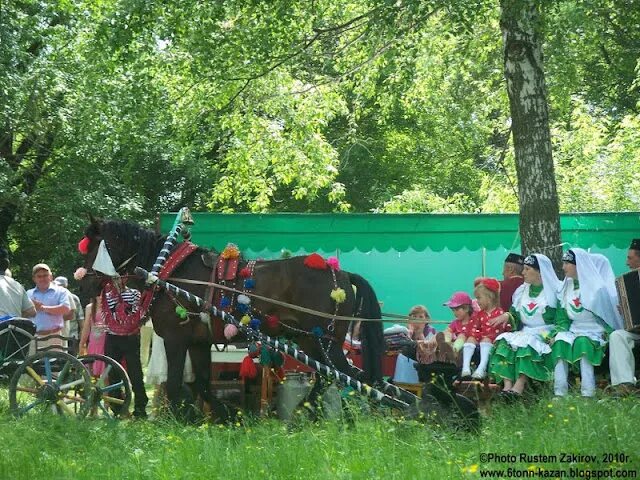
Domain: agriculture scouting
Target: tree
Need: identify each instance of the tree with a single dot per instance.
(524, 73)
(129, 108)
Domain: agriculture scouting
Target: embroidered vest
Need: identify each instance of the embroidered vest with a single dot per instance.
(582, 320)
(531, 309)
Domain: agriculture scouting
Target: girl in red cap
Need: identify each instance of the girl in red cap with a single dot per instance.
(487, 292)
(461, 328)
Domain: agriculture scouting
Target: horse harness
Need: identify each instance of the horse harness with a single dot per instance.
(236, 280)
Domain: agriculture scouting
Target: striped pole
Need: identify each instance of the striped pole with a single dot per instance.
(183, 217)
(324, 370)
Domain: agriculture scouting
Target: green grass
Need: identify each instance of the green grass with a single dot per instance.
(379, 446)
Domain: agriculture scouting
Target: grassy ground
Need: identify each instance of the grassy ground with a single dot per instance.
(378, 446)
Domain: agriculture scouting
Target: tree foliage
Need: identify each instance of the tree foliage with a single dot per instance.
(128, 108)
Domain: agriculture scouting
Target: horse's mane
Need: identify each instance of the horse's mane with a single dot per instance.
(132, 238)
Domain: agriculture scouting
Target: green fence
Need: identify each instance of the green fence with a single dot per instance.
(410, 258)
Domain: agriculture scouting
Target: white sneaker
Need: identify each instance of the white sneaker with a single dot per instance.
(479, 374)
(465, 373)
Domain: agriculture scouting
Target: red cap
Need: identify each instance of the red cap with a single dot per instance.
(491, 283)
(458, 299)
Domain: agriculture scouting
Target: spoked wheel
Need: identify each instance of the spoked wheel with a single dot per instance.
(111, 388)
(51, 381)
(14, 346)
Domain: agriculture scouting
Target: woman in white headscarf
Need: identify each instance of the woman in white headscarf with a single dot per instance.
(525, 353)
(605, 270)
(587, 314)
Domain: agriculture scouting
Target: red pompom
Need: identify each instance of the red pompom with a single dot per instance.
(315, 261)
(248, 368)
(83, 245)
(271, 321)
(245, 273)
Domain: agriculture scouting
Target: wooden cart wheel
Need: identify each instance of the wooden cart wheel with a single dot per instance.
(51, 381)
(111, 387)
(14, 347)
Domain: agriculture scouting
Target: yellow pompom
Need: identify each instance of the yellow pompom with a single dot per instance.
(230, 251)
(245, 320)
(338, 295)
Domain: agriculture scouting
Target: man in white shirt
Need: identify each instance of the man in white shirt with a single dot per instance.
(14, 301)
(622, 363)
(52, 303)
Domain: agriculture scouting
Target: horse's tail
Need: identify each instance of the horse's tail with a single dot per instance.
(371, 333)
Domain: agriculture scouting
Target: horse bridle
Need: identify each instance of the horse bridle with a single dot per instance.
(118, 268)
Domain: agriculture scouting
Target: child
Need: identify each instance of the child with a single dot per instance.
(419, 328)
(487, 292)
(425, 346)
(93, 334)
(422, 333)
(460, 329)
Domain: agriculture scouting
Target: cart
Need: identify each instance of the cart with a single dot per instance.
(46, 379)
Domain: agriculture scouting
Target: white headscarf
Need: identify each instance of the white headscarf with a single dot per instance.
(594, 293)
(606, 272)
(550, 282)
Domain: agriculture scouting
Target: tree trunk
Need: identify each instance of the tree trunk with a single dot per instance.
(25, 180)
(537, 193)
(7, 216)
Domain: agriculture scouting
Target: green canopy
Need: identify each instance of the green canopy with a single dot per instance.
(399, 232)
(408, 258)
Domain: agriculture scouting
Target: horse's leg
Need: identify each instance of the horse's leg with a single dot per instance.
(200, 355)
(176, 349)
(311, 346)
(340, 362)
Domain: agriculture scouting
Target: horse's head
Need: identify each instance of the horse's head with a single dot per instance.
(124, 244)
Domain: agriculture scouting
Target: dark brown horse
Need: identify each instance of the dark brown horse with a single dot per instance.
(287, 280)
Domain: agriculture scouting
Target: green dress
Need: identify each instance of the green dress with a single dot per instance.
(525, 350)
(582, 333)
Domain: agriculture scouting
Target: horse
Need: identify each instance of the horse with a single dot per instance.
(287, 280)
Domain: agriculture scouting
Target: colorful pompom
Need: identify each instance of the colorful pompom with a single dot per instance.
(230, 251)
(248, 368)
(225, 302)
(242, 308)
(249, 283)
(253, 349)
(338, 295)
(272, 321)
(243, 299)
(334, 263)
(317, 331)
(83, 245)
(245, 320)
(230, 331)
(277, 359)
(181, 312)
(255, 324)
(315, 261)
(265, 356)
(80, 273)
(245, 273)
